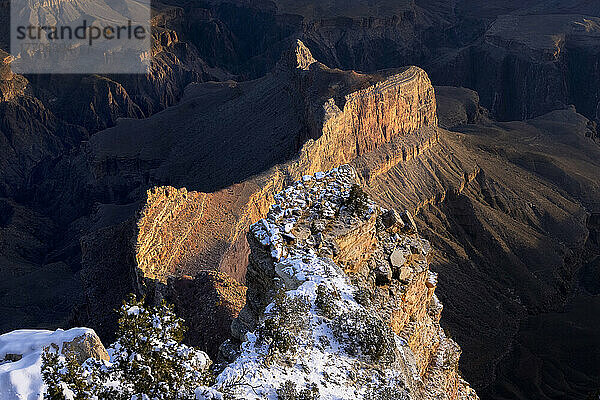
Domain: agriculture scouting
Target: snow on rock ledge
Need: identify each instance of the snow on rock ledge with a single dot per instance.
(330, 313)
(21, 357)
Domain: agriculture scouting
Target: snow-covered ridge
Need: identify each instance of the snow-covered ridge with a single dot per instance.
(320, 361)
(319, 336)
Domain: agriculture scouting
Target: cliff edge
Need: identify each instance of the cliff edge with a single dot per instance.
(308, 118)
(340, 303)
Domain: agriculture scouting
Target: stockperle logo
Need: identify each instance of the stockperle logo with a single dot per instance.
(80, 36)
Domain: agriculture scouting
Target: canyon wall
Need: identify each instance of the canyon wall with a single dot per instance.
(182, 232)
(473, 193)
(206, 231)
(525, 66)
(45, 123)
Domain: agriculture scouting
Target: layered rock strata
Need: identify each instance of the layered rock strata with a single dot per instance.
(207, 229)
(178, 232)
(358, 266)
(477, 195)
(181, 232)
(45, 121)
(524, 66)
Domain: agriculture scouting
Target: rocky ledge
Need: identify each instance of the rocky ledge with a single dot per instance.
(340, 304)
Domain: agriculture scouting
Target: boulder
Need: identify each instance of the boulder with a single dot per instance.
(401, 268)
(85, 346)
(405, 272)
(397, 258)
(81, 342)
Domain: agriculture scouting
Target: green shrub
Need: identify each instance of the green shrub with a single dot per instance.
(357, 201)
(147, 359)
(280, 339)
(325, 301)
(289, 314)
(361, 333)
(289, 392)
(386, 393)
(292, 310)
(63, 376)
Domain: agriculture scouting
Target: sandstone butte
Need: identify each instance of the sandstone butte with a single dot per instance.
(178, 230)
(373, 122)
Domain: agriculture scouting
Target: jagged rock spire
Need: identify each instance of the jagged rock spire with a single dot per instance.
(298, 56)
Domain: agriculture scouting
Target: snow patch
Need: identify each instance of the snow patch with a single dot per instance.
(22, 379)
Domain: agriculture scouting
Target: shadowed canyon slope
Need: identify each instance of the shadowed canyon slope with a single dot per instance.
(511, 237)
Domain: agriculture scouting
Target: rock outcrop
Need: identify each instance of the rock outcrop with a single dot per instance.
(494, 194)
(399, 106)
(326, 244)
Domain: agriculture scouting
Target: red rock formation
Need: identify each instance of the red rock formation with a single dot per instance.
(180, 231)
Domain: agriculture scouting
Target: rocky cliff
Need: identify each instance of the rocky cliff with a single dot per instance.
(46, 116)
(474, 201)
(340, 116)
(527, 65)
(399, 106)
(332, 277)
(524, 58)
(340, 304)
(515, 195)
